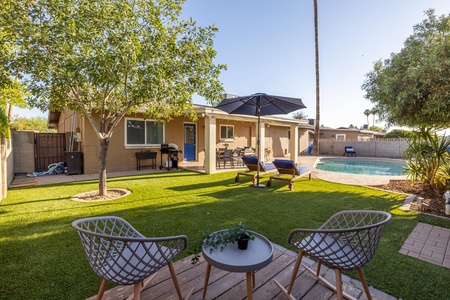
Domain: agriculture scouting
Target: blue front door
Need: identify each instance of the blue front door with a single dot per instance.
(189, 142)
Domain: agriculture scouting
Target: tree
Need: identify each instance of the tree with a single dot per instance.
(11, 91)
(398, 133)
(376, 128)
(411, 88)
(300, 115)
(110, 58)
(351, 126)
(367, 112)
(34, 123)
(316, 46)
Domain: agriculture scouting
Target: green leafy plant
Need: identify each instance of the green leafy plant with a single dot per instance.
(221, 239)
(426, 157)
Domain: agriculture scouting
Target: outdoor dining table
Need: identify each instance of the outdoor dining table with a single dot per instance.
(258, 255)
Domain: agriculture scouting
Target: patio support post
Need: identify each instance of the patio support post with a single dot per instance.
(293, 143)
(210, 145)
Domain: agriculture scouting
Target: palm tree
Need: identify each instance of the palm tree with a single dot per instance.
(367, 112)
(373, 111)
(316, 44)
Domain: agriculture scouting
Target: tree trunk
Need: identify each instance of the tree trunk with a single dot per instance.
(104, 143)
(316, 44)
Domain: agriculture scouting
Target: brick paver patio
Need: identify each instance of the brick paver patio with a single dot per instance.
(429, 243)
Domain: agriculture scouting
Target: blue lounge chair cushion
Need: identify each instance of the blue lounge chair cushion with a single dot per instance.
(289, 164)
(251, 162)
(268, 166)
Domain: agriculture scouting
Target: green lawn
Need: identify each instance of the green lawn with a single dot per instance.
(41, 255)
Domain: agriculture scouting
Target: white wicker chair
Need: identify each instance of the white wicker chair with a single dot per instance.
(347, 241)
(119, 253)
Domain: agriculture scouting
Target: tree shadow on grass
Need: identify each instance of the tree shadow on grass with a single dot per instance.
(47, 254)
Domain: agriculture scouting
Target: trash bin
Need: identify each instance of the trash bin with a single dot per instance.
(447, 202)
(74, 161)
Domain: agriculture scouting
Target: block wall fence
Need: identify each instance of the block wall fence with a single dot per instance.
(387, 148)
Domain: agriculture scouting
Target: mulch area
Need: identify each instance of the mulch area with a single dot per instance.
(432, 203)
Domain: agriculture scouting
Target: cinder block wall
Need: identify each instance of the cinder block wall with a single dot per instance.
(387, 148)
(23, 149)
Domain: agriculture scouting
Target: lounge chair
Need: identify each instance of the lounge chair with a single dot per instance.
(347, 241)
(288, 167)
(252, 164)
(348, 150)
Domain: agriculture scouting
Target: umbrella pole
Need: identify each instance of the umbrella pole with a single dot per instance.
(259, 145)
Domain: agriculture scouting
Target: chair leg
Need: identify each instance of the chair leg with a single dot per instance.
(339, 292)
(334, 287)
(140, 286)
(287, 292)
(295, 271)
(319, 264)
(102, 289)
(175, 280)
(137, 291)
(364, 283)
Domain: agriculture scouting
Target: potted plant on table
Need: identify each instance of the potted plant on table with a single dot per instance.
(239, 234)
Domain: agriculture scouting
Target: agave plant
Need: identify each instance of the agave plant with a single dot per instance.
(427, 157)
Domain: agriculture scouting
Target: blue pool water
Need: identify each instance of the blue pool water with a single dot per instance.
(365, 166)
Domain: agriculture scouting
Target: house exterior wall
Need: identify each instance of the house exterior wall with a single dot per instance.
(121, 157)
(303, 141)
(331, 133)
(243, 132)
(277, 139)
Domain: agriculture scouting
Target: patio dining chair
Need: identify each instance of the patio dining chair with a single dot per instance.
(118, 253)
(346, 241)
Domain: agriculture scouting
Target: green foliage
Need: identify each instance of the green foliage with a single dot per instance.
(111, 58)
(221, 239)
(411, 88)
(39, 247)
(376, 128)
(34, 123)
(427, 158)
(398, 133)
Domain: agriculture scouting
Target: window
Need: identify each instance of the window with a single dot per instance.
(226, 132)
(341, 137)
(140, 132)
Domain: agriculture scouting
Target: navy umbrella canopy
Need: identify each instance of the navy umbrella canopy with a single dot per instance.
(260, 104)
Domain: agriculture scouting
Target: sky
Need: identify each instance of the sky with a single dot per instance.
(268, 46)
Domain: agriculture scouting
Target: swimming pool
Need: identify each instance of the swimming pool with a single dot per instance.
(367, 166)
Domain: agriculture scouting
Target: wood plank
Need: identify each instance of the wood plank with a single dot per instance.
(225, 285)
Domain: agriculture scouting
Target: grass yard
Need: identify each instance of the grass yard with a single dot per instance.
(41, 256)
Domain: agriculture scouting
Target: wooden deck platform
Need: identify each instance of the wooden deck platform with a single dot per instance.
(226, 285)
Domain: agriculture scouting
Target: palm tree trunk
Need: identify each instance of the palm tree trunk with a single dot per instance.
(316, 44)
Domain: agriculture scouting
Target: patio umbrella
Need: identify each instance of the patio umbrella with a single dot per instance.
(260, 104)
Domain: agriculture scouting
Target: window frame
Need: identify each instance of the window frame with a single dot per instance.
(341, 135)
(145, 133)
(226, 130)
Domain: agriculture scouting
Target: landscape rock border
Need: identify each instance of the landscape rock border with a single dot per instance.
(92, 196)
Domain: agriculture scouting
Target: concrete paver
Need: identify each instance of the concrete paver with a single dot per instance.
(429, 243)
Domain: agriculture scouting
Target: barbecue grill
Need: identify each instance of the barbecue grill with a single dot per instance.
(171, 150)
